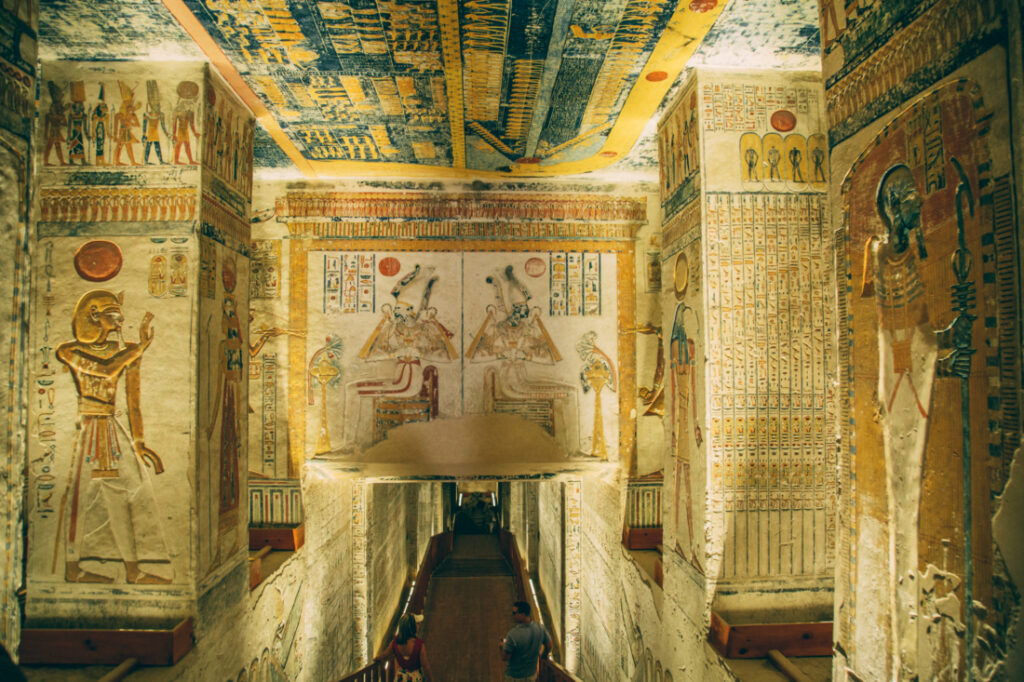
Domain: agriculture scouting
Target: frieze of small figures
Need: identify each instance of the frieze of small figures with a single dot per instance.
(117, 204)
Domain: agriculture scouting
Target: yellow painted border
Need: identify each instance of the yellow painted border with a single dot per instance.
(298, 316)
(235, 81)
(683, 34)
(448, 18)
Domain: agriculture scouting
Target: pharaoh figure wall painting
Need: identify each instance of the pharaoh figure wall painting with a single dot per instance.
(108, 455)
(929, 309)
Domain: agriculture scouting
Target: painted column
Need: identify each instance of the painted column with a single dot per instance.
(17, 83)
(748, 319)
(138, 329)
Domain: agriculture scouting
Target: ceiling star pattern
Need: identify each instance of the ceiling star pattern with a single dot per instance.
(485, 85)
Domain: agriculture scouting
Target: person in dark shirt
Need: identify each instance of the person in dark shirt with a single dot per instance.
(524, 645)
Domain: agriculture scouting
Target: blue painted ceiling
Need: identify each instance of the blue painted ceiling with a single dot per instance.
(542, 81)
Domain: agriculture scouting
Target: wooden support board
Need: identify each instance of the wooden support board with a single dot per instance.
(288, 539)
(755, 641)
(641, 538)
(105, 647)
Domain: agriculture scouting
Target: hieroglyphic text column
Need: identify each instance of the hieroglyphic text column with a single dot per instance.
(751, 355)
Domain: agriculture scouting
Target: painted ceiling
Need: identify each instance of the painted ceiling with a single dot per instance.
(443, 87)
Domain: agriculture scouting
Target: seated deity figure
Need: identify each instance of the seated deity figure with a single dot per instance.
(406, 336)
(513, 333)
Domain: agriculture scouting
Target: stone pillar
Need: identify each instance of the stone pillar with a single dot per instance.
(749, 308)
(17, 85)
(138, 418)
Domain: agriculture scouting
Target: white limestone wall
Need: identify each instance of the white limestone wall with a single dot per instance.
(651, 399)
(551, 556)
(630, 627)
(387, 567)
(329, 626)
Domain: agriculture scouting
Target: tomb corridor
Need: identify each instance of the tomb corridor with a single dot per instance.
(696, 324)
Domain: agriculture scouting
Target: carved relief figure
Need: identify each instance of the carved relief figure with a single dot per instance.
(750, 156)
(100, 127)
(78, 124)
(227, 401)
(818, 159)
(111, 511)
(125, 121)
(153, 123)
(54, 124)
(682, 358)
(774, 157)
(184, 120)
(514, 333)
(908, 350)
(513, 330)
(795, 160)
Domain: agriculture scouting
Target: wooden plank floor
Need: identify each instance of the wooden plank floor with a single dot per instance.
(469, 608)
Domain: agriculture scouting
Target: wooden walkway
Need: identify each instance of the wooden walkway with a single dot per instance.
(469, 609)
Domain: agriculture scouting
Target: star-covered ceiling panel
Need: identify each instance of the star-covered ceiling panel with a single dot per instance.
(449, 87)
(116, 30)
(763, 34)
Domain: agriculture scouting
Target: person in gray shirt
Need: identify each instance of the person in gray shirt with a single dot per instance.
(524, 645)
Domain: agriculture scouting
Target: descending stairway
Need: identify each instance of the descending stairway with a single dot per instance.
(469, 609)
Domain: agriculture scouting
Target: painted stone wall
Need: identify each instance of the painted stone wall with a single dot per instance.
(108, 302)
(329, 630)
(275, 496)
(134, 307)
(769, 328)
(73, 554)
(223, 398)
(499, 305)
(551, 552)
(748, 304)
(17, 82)
(386, 557)
(684, 324)
(288, 628)
(631, 628)
(650, 339)
(927, 239)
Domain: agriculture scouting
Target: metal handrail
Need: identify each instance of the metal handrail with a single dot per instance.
(438, 549)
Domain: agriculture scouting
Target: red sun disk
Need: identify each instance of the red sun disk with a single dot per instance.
(703, 5)
(783, 120)
(534, 267)
(389, 266)
(98, 260)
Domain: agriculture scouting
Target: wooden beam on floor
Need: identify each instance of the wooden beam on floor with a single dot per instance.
(278, 539)
(52, 646)
(756, 640)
